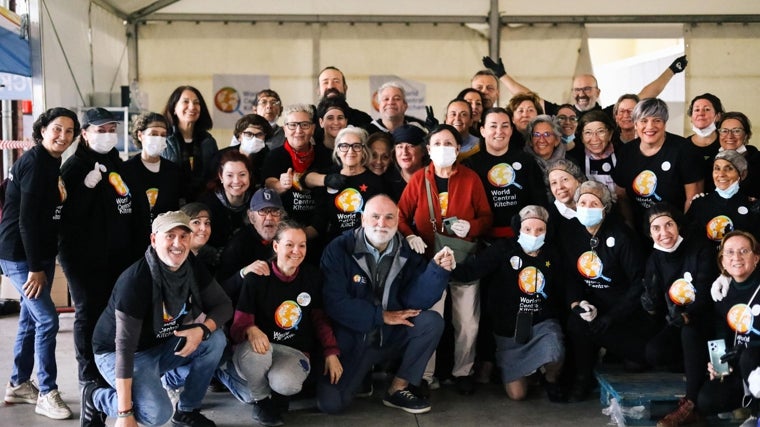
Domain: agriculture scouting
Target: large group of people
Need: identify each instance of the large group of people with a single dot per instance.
(328, 246)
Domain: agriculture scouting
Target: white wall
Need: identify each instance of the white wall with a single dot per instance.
(99, 68)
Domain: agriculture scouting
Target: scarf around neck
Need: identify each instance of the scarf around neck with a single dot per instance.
(173, 291)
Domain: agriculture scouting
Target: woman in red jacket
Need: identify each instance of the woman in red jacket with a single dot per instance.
(459, 201)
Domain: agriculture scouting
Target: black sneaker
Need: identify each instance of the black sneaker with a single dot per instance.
(193, 418)
(406, 401)
(265, 413)
(422, 390)
(89, 416)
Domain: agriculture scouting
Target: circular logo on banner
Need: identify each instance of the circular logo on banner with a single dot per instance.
(227, 100)
(288, 315)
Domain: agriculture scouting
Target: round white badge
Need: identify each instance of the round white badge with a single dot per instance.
(742, 210)
(515, 262)
(606, 167)
(303, 299)
(666, 166)
(610, 242)
(756, 310)
(517, 166)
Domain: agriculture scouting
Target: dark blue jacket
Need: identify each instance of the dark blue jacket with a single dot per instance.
(349, 300)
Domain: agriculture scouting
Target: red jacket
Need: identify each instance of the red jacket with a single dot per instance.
(467, 201)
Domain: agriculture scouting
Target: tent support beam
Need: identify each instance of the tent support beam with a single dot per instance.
(494, 30)
(443, 19)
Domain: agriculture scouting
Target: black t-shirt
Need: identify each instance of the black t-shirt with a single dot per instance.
(516, 282)
(713, 217)
(735, 309)
(512, 181)
(32, 212)
(660, 177)
(283, 310)
(344, 208)
(302, 204)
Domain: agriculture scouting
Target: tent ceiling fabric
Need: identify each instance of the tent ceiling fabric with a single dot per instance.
(510, 11)
(14, 50)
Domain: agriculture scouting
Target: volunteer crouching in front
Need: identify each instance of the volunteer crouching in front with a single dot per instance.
(153, 324)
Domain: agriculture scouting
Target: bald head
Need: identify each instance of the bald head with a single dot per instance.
(585, 92)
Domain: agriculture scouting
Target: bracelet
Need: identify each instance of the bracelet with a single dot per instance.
(126, 414)
(206, 330)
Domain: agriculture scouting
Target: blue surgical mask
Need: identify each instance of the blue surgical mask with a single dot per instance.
(728, 192)
(589, 217)
(531, 243)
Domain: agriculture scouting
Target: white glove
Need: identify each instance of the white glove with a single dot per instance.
(719, 288)
(590, 313)
(754, 382)
(417, 244)
(460, 227)
(94, 176)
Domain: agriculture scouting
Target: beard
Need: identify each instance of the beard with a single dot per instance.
(333, 93)
(379, 236)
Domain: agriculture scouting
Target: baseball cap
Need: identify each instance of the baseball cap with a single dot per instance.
(410, 134)
(98, 116)
(265, 198)
(168, 220)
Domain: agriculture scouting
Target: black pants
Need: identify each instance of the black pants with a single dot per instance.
(688, 344)
(720, 396)
(625, 338)
(90, 290)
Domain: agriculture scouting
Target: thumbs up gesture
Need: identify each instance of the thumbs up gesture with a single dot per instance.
(94, 176)
(286, 179)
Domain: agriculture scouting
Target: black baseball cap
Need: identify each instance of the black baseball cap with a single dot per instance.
(98, 116)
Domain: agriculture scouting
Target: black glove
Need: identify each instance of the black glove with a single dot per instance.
(600, 324)
(430, 121)
(335, 181)
(649, 301)
(498, 69)
(675, 316)
(679, 64)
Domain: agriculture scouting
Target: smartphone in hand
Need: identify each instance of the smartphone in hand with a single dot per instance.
(717, 348)
(180, 344)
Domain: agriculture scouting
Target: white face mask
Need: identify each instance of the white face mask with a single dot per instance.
(730, 191)
(704, 132)
(102, 142)
(153, 145)
(251, 145)
(443, 156)
(589, 217)
(531, 243)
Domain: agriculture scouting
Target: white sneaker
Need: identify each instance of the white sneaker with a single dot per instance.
(52, 406)
(749, 422)
(25, 392)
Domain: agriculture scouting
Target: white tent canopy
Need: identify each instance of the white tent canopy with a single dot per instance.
(87, 50)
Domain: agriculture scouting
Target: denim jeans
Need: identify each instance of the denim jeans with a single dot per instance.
(150, 401)
(37, 328)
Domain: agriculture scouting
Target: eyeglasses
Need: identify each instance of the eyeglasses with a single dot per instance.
(583, 89)
(601, 133)
(728, 253)
(356, 147)
(734, 131)
(271, 211)
(564, 118)
(302, 125)
(260, 135)
(268, 102)
(544, 134)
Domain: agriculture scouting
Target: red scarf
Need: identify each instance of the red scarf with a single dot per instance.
(301, 159)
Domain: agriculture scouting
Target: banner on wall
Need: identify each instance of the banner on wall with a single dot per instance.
(234, 95)
(415, 95)
(14, 86)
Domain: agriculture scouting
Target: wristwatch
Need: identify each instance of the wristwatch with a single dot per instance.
(206, 330)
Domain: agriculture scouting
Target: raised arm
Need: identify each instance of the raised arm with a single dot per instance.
(653, 89)
(513, 86)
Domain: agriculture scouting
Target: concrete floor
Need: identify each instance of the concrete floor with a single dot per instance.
(489, 406)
